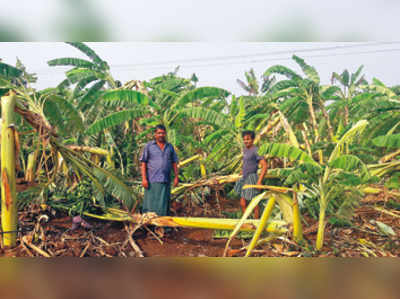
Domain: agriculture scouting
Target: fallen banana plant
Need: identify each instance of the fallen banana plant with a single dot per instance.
(213, 181)
(289, 207)
(375, 190)
(266, 214)
(194, 222)
(271, 188)
(251, 206)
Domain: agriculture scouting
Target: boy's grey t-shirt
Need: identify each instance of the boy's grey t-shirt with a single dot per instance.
(250, 160)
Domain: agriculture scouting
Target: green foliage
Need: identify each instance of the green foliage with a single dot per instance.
(350, 163)
(90, 53)
(77, 62)
(389, 141)
(90, 108)
(394, 181)
(113, 119)
(200, 93)
(282, 70)
(8, 71)
(209, 116)
(310, 71)
(117, 98)
(281, 150)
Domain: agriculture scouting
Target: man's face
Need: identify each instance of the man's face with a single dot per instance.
(248, 141)
(159, 135)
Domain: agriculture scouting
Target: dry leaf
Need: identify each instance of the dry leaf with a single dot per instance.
(278, 247)
(291, 253)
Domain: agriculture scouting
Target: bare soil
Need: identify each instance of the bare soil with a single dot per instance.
(54, 237)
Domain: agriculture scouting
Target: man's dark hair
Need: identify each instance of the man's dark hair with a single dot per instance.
(250, 133)
(161, 127)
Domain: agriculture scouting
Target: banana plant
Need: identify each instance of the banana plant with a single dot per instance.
(84, 71)
(40, 152)
(351, 84)
(342, 176)
(297, 91)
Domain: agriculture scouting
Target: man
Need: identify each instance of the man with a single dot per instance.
(158, 158)
(251, 159)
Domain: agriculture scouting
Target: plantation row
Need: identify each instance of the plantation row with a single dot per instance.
(76, 146)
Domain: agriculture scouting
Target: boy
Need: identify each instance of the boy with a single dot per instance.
(251, 159)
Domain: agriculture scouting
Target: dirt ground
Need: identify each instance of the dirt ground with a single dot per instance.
(53, 237)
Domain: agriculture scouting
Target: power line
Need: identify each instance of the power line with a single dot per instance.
(232, 57)
(157, 65)
(130, 68)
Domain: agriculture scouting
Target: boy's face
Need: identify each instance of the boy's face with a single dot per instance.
(159, 135)
(248, 141)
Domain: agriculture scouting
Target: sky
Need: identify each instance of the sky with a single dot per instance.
(156, 31)
(193, 20)
(215, 64)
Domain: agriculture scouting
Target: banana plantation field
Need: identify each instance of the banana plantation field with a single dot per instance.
(70, 172)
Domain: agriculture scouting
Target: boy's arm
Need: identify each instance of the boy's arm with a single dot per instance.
(263, 171)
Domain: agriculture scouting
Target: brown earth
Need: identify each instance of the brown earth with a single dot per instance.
(110, 239)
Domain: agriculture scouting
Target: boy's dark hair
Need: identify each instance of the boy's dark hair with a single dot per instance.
(161, 127)
(251, 133)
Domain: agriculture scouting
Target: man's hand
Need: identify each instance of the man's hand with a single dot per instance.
(176, 181)
(145, 183)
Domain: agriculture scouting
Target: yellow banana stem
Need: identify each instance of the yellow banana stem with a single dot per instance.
(320, 157)
(263, 221)
(297, 227)
(184, 162)
(9, 212)
(203, 170)
(197, 222)
(309, 101)
(271, 124)
(321, 222)
(289, 130)
(307, 143)
(272, 188)
(31, 167)
(88, 149)
(373, 190)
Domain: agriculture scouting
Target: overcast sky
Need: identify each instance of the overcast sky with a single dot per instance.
(221, 28)
(215, 64)
(206, 20)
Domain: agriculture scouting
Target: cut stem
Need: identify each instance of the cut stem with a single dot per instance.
(9, 219)
(263, 221)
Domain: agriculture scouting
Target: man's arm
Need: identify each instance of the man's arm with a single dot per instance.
(176, 179)
(263, 171)
(145, 182)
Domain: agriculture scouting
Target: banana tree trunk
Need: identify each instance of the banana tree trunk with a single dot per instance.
(321, 223)
(263, 221)
(346, 112)
(196, 222)
(313, 118)
(31, 167)
(9, 220)
(297, 227)
(328, 121)
(307, 143)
